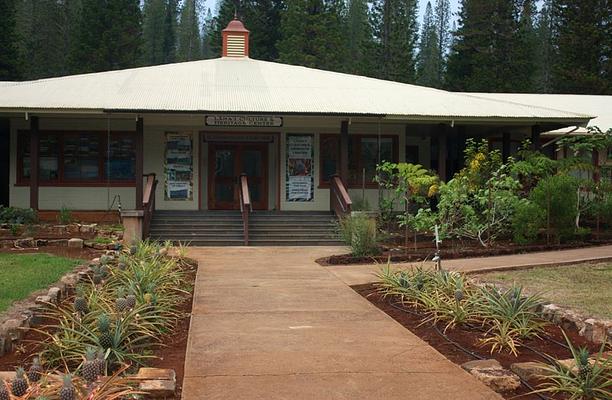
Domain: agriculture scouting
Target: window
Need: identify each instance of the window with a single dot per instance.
(362, 158)
(79, 158)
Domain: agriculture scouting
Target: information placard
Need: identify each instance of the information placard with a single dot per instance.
(300, 168)
(178, 168)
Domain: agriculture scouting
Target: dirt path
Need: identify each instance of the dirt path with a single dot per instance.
(270, 323)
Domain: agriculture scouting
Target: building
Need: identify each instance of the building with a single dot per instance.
(84, 142)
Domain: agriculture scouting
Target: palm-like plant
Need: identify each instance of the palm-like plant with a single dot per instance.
(584, 380)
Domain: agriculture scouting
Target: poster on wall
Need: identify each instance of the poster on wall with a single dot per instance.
(178, 167)
(300, 168)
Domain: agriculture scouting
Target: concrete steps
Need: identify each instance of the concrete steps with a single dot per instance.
(266, 228)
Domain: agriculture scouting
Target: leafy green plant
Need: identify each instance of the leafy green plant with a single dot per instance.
(15, 215)
(361, 204)
(556, 196)
(64, 216)
(360, 233)
(585, 379)
(527, 221)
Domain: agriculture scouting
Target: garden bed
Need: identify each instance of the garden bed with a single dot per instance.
(469, 339)
(168, 350)
(425, 251)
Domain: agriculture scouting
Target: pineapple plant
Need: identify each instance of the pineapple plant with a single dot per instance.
(105, 339)
(105, 259)
(131, 298)
(36, 370)
(90, 368)
(80, 303)
(4, 393)
(19, 386)
(100, 363)
(121, 304)
(583, 365)
(67, 392)
(133, 250)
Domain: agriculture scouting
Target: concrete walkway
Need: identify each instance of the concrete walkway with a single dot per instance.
(362, 274)
(269, 323)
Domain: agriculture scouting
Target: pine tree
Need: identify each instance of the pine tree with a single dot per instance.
(442, 19)
(188, 33)
(313, 34)
(546, 51)
(154, 40)
(482, 57)
(360, 39)
(585, 46)
(428, 59)
(396, 31)
(8, 48)
(524, 51)
(207, 31)
(109, 36)
(170, 27)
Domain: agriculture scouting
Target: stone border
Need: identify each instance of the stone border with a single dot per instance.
(25, 313)
(592, 329)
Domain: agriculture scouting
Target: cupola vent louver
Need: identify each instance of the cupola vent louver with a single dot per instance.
(235, 40)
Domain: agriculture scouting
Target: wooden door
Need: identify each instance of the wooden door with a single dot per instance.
(226, 162)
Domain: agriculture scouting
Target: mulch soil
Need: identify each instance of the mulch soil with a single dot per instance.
(425, 251)
(469, 339)
(170, 354)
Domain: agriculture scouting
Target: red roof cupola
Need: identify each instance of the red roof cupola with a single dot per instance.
(235, 39)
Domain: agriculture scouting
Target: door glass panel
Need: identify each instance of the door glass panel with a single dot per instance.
(224, 192)
(224, 163)
(251, 163)
(255, 191)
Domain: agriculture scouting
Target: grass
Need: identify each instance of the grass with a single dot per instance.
(584, 287)
(22, 274)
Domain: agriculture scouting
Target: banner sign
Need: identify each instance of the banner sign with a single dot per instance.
(178, 167)
(238, 138)
(244, 120)
(300, 168)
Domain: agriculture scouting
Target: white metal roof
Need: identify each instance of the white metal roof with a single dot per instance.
(598, 106)
(250, 86)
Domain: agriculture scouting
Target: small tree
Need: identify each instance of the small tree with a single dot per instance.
(411, 184)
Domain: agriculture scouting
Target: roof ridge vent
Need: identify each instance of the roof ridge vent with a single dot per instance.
(235, 39)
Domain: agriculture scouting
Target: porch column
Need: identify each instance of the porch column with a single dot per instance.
(505, 146)
(34, 145)
(535, 138)
(5, 156)
(138, 169)
(344, 149)
(442, 152)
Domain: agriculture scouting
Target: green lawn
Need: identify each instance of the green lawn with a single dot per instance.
(584, 287)
(21, 274)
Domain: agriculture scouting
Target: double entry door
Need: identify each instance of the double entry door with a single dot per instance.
(226, 162)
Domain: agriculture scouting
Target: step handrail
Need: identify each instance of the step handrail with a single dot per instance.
(340, 201)
(246, 207)
(148, 202)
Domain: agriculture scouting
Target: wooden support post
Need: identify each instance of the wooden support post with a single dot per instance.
(506, 146)
(535, 138)
(461, 143)
(344, 149)
(5, 157)
(138, 170)
(34, 146)
(442, 152)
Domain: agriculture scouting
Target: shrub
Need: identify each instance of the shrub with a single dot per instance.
(65, 215)
(527, 221)
(15, 215)
(359, 232)
(557, 197)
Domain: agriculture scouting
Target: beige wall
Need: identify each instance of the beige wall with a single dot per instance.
(155, 126)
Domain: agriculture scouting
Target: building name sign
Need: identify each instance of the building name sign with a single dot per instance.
(264, 121)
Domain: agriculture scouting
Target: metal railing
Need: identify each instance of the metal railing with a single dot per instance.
(148, 203)
(340, 201)
(245, 206)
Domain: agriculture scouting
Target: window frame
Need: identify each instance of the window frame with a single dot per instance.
(357, 147)
(61, 182)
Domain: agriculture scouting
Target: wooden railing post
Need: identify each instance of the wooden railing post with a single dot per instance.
(245, 205)
(339, 199)
(148, 202)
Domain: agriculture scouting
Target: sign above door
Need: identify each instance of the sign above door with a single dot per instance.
(253, 121)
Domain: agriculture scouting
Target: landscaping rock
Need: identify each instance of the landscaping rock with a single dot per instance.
(45, 299)
(7, 376)
(12, 329)
(6, 344)
(75, 243)
(528, 370)
(87, 228)
(26, 242)
(41, 242)
(594, 330)
(70, 279)
(491, 363)
(54, 293)
(156, 374)
(158, 388)
(498, 379)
